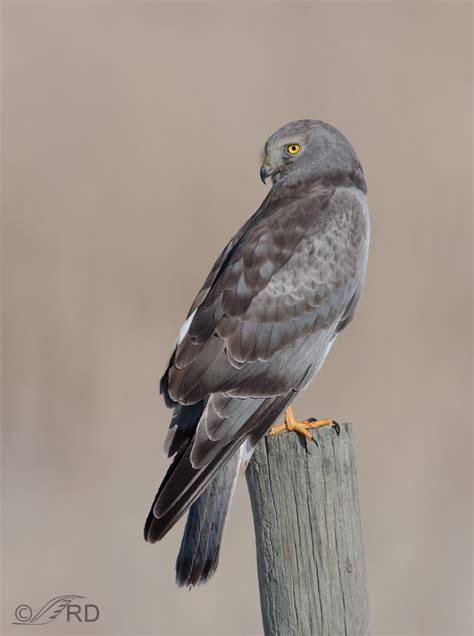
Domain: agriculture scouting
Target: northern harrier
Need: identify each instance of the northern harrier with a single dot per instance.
(260, 328)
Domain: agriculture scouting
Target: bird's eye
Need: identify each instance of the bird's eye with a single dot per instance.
(293, 149)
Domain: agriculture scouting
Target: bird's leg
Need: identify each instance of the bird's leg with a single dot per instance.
(291, 424)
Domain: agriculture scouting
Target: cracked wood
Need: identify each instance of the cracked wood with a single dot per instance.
(310, 557)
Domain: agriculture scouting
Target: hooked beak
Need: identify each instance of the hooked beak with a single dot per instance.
(265, 171)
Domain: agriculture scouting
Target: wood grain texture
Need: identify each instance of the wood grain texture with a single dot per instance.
(310, 556)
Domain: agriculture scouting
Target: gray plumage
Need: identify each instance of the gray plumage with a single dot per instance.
(259, 329)
(199, 553)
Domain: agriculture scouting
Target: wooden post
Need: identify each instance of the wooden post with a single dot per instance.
(310, 558)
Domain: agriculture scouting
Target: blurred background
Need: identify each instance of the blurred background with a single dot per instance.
(131, 141)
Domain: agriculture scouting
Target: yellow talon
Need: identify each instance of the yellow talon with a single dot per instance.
(291, 424)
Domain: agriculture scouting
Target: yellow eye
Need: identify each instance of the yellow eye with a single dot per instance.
(293, 149)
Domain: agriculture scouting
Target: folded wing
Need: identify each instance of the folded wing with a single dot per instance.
(258, 331)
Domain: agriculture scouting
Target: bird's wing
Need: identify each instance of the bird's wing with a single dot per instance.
(259, 330)
(287, 283)
(226, 254)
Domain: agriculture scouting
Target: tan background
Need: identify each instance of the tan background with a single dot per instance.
(131, 141)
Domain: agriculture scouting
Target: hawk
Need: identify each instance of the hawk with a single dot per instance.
(260, 328)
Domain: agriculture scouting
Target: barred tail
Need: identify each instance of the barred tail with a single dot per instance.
(199, 553)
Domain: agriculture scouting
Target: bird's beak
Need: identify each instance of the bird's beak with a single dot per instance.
(265, 171)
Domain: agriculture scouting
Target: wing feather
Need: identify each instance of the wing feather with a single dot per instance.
(258, 330)
(304, 286)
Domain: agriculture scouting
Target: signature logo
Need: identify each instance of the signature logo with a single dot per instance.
(82, 612)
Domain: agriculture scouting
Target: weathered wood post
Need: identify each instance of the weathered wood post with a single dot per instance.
(310, 558)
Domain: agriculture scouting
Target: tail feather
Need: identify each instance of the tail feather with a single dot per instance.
(157, 527)
(206, 492)
(199, 553)
(183, 484)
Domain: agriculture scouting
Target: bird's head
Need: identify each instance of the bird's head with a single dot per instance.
(307, 148)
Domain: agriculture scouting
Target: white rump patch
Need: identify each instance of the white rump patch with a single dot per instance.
(185, 328)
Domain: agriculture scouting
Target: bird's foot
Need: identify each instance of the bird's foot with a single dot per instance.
(291, 424)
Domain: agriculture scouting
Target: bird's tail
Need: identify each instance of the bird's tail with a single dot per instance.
(199, 553)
